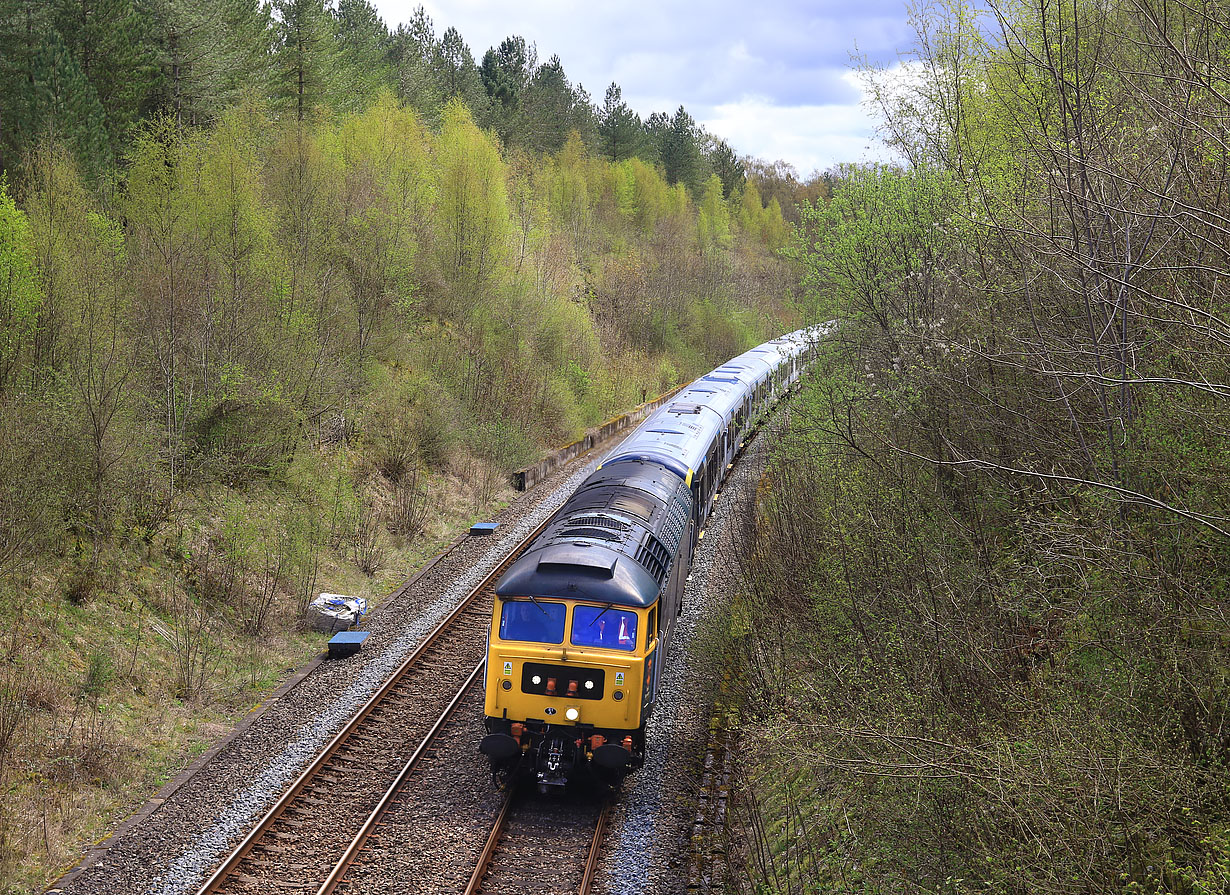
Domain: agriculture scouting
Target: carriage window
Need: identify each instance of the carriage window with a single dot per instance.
(535, 622)
(604, 627)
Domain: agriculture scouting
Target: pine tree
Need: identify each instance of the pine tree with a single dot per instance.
(727, 166)
(307, 55)
(412, 40)
(213, 53)
(412, 48)
(657, 126)
(549, 108)
(680, 149)
(620, 132)
(112, 45)
(23, 26)
(458, 75)
(65, 109)
(363, 42)
(505, 72)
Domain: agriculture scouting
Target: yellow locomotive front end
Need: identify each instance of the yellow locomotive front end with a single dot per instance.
(568, 684)
(580, 627)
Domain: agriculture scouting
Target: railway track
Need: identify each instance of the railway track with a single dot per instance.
(319, 824)
(542, 846)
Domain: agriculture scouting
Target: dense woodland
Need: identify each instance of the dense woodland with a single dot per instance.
(986, 616)
(89, 73)
(284, 297)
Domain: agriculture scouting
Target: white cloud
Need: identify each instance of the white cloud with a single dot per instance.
(740, 54)
(810, 137)
(710, 58)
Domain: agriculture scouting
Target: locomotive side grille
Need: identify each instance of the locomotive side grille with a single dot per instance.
(676, 522)
(654, 557)
(673, 529)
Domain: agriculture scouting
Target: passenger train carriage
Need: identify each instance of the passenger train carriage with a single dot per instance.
(583, 620)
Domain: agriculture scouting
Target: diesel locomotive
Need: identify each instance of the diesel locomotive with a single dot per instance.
(583, 620)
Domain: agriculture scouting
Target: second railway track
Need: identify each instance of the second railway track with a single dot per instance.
(301, 841)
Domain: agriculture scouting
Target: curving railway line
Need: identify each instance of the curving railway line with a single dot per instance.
(347, 823)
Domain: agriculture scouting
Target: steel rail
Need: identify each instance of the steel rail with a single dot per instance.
(493, 842)
(356, 845)
(474, 887)
(591, 863)
(245, 847)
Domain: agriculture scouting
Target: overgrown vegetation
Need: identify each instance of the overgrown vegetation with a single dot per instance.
(985, 615)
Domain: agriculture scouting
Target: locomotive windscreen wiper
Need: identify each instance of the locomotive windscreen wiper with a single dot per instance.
(600, 614)
(572, 585)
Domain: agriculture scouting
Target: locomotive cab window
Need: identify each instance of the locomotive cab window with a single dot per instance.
(604, 627)
(533, 621)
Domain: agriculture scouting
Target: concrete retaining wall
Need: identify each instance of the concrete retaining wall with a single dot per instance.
(528, 478)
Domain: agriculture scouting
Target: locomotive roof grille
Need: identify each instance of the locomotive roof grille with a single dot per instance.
(631, 503)
(597, 521)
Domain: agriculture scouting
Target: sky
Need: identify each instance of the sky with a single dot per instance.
(771, 77)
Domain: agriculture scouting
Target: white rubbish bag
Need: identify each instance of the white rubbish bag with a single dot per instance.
(334, 612)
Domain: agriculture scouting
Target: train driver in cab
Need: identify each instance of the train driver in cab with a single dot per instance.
(608, 628)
